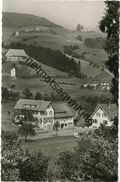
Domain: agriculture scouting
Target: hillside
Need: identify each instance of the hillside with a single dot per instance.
(24, 20)
(54, 36)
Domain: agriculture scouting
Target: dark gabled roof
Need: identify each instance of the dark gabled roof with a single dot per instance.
(110, 109)
(62, 110)
(16, 52)
(40, 104)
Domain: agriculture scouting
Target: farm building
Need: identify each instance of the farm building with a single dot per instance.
(63, 115)
(97, 84)
(103, 114)
(46, 113)
(17, 33)
(90, 84)
(16, 55)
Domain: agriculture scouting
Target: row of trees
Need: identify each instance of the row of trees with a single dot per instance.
(98, 42)
(9, 94)
(93, 160)
(69, 49)
(39, 96)
(27, 94)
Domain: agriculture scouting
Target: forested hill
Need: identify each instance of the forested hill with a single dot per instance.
(24, 20)
(50, 57)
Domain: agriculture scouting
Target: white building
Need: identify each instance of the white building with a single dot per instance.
(17, 33)
(63, 115)
(46, 113)
(16, 55)
(13, 73)
(103, 114)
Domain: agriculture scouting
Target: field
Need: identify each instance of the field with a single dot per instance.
(90, 70)
(23, 71)
(96, 56)
(52, 146)
(55, 40)
(37, 85)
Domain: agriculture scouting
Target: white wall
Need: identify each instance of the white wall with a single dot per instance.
(48, 116)
(67, 122)
(100, 118)
(13, 72)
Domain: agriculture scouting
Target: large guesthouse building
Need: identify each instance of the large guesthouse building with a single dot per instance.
(45, 113)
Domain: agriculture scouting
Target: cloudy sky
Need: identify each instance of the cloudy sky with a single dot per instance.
(66, 13)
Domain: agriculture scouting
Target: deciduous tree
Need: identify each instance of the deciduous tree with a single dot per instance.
(27, 127)
(27, 93)
(110, 25)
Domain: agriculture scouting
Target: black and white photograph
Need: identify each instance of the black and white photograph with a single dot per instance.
(59, 90)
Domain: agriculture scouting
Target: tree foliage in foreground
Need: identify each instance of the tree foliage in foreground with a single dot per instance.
(110, 25)
(27, 127)
(11, 155)
(34, 168)
(18, 165)
(27, 93)
(94, 158)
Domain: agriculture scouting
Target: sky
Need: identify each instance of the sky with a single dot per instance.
(65, 13)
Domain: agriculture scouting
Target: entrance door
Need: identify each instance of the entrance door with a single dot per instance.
(62, 126)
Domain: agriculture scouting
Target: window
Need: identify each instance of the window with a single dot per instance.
(104, 115)
(35, 112)
(50, 113)
(105, 122)
(95, 120)
(18, 117)
(42, 113)
(98, 114)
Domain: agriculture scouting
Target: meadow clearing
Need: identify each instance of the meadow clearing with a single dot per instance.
(38, 85)
(51, 147)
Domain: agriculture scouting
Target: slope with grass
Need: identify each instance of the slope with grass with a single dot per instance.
(25, 20)
(55, 37)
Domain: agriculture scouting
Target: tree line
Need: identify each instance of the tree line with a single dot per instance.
(9, 94)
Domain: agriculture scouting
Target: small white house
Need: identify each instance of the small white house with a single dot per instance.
(14, 55)
(13, 73)
(105, 86)
(17, 33)
(103, 114)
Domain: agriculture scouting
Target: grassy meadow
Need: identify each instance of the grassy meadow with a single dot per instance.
(51, 147)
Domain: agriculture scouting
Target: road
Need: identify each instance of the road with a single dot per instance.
(77, 60)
